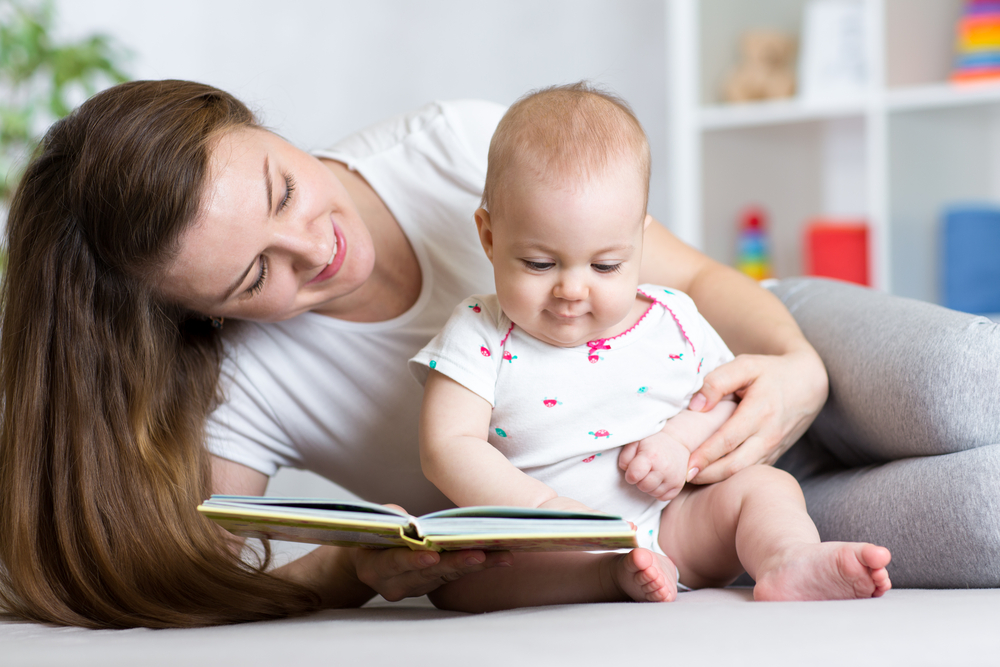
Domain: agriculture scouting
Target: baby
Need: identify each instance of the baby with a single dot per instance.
(568, 388)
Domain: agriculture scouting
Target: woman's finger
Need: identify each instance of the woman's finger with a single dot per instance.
(753, 451)
(740, 426)
(455, 564)
(376, 565)
(451, 567)
(729, 378)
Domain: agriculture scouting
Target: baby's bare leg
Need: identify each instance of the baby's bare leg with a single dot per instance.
(756, 520)
(536, 579)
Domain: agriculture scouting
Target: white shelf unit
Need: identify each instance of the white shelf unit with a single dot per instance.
(895, 155)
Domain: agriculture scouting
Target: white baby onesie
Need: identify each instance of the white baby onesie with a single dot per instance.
(562, 414)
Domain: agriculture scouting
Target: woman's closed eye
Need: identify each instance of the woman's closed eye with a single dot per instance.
(258, 284)
(289, 189)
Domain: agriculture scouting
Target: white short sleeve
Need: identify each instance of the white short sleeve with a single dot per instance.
(706, 344)
(469, 349)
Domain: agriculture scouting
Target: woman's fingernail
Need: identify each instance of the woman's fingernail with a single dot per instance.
(473, 560)
(692, 473)
(697, 403)
(427, 559)
(501, 563)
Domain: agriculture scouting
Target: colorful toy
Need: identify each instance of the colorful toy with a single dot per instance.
(753, 255)
(837, 249)
(970, 268)
(978, 42)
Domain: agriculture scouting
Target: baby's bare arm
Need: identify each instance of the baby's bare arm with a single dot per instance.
(457, 458)
(691, 428)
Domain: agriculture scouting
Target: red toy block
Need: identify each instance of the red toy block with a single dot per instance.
(837, 250)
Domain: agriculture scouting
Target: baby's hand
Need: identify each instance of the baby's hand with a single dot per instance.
(657, 465)
(564, 505)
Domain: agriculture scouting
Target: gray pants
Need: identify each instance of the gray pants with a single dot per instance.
(906, 452)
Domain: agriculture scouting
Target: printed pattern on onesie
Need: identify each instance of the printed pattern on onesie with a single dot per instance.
(562, 414)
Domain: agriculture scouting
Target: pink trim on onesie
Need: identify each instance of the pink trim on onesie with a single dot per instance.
(677, 321)
(507, 335)
(602, 343)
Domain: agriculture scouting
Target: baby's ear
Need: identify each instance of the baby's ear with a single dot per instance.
(645, 223)
(485, 227)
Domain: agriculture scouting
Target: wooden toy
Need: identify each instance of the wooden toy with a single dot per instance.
(766, 69)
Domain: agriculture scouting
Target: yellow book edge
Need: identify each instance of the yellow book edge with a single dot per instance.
(288, 525)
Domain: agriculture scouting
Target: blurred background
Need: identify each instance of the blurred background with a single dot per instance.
(847, 138)
(316, 70)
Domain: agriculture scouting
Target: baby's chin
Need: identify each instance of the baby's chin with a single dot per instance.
(561, 338)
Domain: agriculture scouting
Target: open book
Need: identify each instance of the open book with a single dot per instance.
(357, 524)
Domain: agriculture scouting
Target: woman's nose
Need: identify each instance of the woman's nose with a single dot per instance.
(310, 243)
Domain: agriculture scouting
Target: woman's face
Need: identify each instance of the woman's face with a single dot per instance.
(277, 235)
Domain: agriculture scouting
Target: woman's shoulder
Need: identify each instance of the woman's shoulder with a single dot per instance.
(464, 124)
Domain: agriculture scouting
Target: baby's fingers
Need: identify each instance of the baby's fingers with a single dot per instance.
(627, 454)
(650, 483)
(638, 469)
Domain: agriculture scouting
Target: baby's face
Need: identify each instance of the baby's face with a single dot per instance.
(566, 259)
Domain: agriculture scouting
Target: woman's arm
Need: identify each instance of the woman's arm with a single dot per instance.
(457, 458)
(777, 375)
(350, 577)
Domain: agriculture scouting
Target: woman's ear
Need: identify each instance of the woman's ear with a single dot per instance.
(485, 228)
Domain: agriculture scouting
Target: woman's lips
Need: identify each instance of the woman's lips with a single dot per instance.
(336, 261)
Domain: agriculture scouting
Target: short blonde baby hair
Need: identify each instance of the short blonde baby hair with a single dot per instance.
(572, 130)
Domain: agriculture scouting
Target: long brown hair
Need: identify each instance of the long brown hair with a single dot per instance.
(106, 387)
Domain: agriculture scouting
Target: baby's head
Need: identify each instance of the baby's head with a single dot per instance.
(563, 212)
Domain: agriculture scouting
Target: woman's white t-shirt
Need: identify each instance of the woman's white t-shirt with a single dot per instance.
(335, 397)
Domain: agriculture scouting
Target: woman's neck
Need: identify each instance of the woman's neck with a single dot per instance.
(394, 284)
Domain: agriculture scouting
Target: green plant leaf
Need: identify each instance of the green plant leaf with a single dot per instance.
(38, 77)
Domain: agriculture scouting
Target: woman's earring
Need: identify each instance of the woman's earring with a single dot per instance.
(217, 322)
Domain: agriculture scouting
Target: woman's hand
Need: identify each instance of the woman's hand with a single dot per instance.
(779, 397)
(400, 573)
(346, 577)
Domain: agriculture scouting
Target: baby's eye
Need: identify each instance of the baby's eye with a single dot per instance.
(607, 268)
(537, 266)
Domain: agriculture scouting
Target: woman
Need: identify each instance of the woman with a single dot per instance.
(158, 216)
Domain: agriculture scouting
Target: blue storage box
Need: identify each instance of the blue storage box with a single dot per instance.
(970, 266)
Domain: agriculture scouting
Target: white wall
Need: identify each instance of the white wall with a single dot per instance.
(316, 70)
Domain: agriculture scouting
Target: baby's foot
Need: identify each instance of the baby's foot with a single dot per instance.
(826, 571)
(645, 576)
